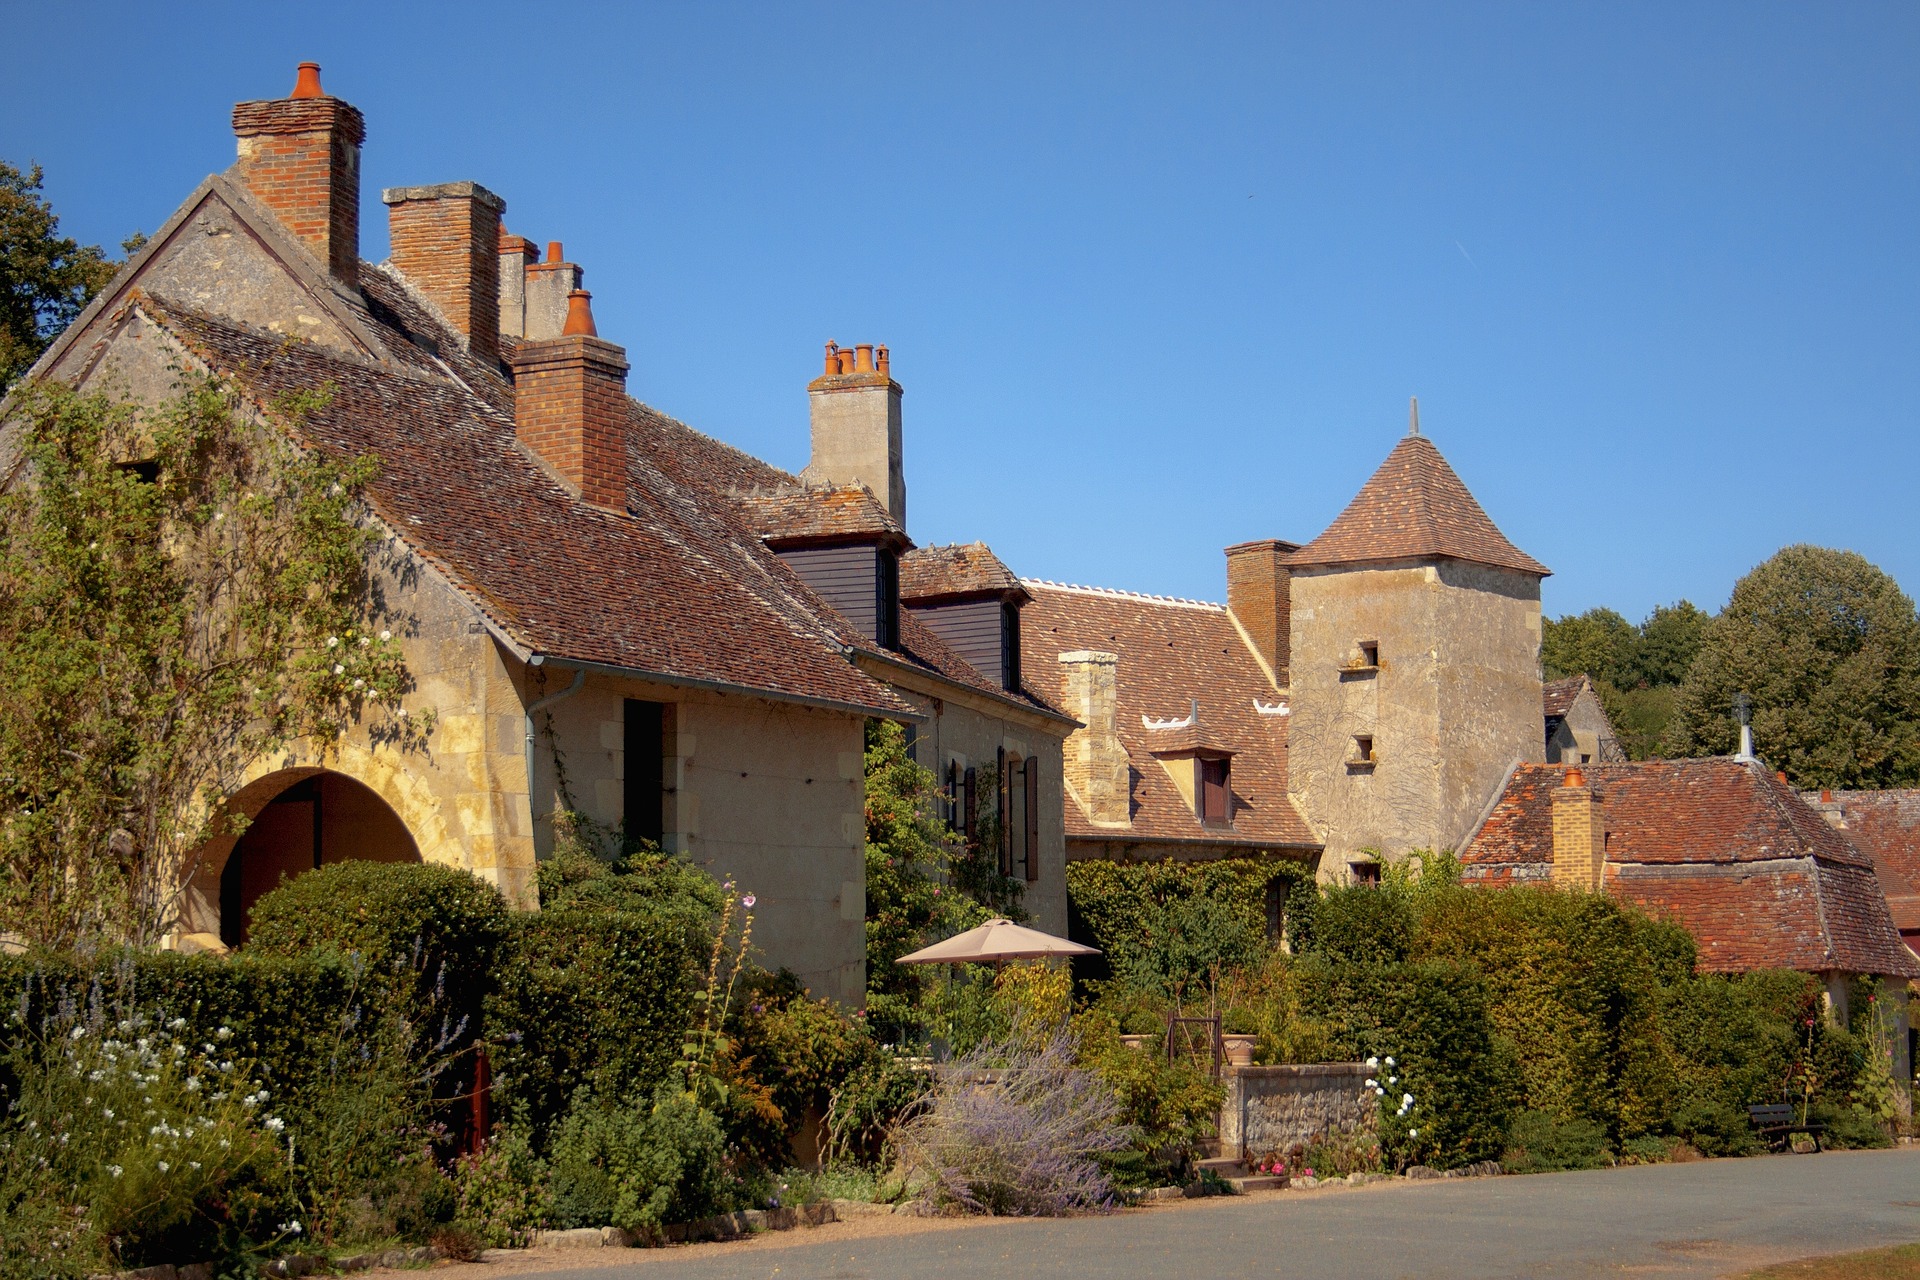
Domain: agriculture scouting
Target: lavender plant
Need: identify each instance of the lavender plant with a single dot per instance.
(1014, 1127)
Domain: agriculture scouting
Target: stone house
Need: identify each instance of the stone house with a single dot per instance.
(1356, 698)
(608, 611)
(1578, 730)
(1724, 846)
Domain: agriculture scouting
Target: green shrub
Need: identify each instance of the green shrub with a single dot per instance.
(586, 998)
(501, 1194)
(1120, 904)
(1714, 1127)
(640, 1165)
(1169, 1106)
(1541, 1142)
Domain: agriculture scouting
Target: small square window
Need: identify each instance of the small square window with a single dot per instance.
(1369, 653)
(1363, 749)
(1365, 873)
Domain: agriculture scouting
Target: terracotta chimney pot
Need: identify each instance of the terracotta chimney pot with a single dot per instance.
(1574, 778)
(579, 316)
(846, 360)
(1826, 796)
(880, 358)
(833, 357)
(554, 253)
(1780, 774)
(863, 358)
(307, 83)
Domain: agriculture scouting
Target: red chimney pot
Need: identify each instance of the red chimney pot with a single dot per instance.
(554, 252)
(579, 315)
(307, 83)
(1574, 778)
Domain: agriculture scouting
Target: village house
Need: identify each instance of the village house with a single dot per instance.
(1356, 699)
(1725, 847)
(1578, 730)
(609, 612)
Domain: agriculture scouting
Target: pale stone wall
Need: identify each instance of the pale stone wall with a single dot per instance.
(955, 732)
(1577, 738)
(857, 437)
(1452, 703)
(1271, 1111)
(769, 795)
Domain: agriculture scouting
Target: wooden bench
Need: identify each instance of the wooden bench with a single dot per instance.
(1776, 1124)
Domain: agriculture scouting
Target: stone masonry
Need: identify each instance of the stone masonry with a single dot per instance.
(1273, 1110)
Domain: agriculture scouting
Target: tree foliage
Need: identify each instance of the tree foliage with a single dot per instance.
(46, 279)
(1827, 647)
(1635, 669)
(181, 593)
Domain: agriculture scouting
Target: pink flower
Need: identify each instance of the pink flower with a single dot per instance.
(747, 901)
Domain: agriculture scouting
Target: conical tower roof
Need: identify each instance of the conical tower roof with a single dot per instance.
(1414, 508)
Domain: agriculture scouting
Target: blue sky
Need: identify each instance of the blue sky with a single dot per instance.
(1158, 278)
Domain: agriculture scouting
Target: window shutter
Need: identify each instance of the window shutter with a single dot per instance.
(1001, 796)
(1032, 818)
(969, 806)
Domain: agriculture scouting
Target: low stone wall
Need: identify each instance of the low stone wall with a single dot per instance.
(1274, 1109)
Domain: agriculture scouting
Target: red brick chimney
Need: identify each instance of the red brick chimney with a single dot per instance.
(300, 156)
(1260, 597)
(446, 240)
(570, 406)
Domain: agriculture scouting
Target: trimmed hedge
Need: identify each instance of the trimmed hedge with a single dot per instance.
(1117, 902)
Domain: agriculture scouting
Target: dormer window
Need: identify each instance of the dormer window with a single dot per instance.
(1213, 792)
(887, 599)
(1010, 645)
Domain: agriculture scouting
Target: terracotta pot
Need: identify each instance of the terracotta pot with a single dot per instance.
(1239, 1049)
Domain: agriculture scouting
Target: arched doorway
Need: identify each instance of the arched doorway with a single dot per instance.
(313, 818)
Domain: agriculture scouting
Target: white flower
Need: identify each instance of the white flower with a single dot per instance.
(176, 1024)
(359, 684)
(275, 1124)
(262, 1095)
(292, 1228)
(96, 1075)
(339, 670)
(1374, 1062)
(333, 642)
(1413, 1133)
(224, 1033)
(1406, 1099)
(161, 1165)
(193, 1084)
(79, 1033)
(386, 635)
(225, 1143)
(402, 713)
(1371, 1084)
(364, 642)
(108, 1112)
(1393, 1079)
(1389, 1061)
(115, 1170)
(194, 1163)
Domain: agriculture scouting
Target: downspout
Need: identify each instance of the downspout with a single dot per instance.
(579, 678)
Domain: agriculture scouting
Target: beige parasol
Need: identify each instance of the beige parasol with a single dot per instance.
(994, 941)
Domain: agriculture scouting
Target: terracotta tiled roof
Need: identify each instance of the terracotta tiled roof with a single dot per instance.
(1414, 508)
(971, 568)
(921, 646)
(1170, 653)
(674, 588)
(1886, 826)
(1735, 854)
(798, 514)
(1558, 696)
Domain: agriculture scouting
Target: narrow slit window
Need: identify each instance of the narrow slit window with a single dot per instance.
(1363, 749)
(1369, 653)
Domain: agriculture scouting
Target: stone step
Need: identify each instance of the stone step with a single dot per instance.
(1225, 1166)
(1257, 1182)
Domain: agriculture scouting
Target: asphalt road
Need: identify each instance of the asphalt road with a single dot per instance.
(1701, 1219)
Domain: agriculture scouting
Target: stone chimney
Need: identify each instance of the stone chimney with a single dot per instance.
(1579, 834)
(517, 253)
(550, 289)
(1260, 597)
(446, 240)
(570, 406)
(300, 156)
(856, 426)
(1098, 773)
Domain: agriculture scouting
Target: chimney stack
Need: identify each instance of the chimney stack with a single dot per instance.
(856, 426)
(517, 253)
(300, 156)
(548, 287)
(1097, 771)
(1579, 834)
(446, 240)
(570, 405)
(1260, 597)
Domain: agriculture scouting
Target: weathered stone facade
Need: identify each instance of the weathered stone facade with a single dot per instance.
(1272, 1111)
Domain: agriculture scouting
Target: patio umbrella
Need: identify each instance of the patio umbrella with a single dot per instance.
(994, 941)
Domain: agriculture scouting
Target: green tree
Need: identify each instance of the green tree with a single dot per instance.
(46, 279)
(1670, 639)
(1599, 643)
(181, 592)
(1828, 648)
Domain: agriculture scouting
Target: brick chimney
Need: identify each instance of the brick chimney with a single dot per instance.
(570, 406)
(856, 426)
(1579, 834)
(446, 240)
(1260, 597)
(300, 156)
(1098, 773)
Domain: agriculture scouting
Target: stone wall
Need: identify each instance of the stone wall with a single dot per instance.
(1272, 1110)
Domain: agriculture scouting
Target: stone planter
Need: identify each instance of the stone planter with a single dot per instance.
(1239, 1048)
(1137, 1042)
